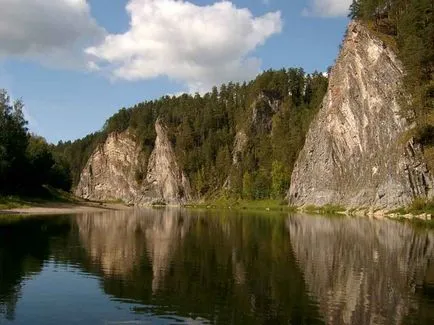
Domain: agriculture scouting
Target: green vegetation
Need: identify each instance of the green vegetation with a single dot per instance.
(46, 194)
(417, 207)
(26, 161)
(228, 203)
(274, 112)
(12, 202)
(241, 204)
(327, 209)
(408, 26)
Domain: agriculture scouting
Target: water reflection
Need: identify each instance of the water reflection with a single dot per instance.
(23, 248)
(363, 271)
(168, 266)
(223, 268)
(118, 241)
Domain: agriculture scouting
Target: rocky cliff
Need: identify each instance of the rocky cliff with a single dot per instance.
(110, 171)
(116, 170)
(164, 178)
(355, 154)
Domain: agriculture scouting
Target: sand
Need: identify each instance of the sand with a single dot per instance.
(66, 208)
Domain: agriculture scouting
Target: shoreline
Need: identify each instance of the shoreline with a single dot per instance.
(81, 206)
(50, 208)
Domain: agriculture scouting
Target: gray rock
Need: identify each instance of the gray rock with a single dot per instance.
(354, 154)
(165, 181)
(111, 172)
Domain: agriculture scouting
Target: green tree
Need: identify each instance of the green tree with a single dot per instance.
(279, 180)
(40, 161)
(248, 190)
(262, 184)
(354, 9)
(26, 162)
(13, 143)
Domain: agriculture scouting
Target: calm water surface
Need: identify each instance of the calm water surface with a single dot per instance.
(191, 267)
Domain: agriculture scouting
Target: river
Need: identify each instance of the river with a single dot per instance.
(174, 266)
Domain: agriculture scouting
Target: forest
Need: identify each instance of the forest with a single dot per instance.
(27, 161)
(273, 112)
(408, 27)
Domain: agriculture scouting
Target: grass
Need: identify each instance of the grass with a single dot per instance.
(13, 202)
(327, 209)
(267, 205)
(417, 207)
(44, 196)
(240, 204)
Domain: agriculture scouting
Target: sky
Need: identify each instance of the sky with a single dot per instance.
(75, 63)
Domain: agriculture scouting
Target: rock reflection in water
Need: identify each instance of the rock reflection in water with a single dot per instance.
(360, 271)
(228, 269)
(118, 241)
(218, 267)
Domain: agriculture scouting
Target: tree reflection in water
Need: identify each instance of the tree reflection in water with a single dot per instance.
(232, 267)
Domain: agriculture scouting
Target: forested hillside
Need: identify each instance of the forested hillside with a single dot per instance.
(408, 26)
(271, 114)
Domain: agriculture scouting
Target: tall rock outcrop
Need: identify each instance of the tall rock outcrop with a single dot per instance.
(110, 171)
(164, 178)
(354, 154)
(116, 170)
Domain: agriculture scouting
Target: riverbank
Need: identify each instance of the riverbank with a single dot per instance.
(238, 204)
(419, 213)
(64, 208)
(54, 202)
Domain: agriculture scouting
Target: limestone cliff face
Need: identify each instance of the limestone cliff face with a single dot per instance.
(164, 177)
(113, 172)
(110, 171)
(354, 154)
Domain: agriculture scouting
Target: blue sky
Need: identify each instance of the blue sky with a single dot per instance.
(78, 62)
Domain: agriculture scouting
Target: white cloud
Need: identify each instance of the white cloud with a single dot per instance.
(327, 8)
(50, 31)
(198, 45)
